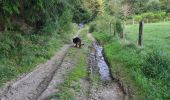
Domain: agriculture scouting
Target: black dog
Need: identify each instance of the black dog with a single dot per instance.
(77, 41)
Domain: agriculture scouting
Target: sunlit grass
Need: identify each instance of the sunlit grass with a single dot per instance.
(156, 35)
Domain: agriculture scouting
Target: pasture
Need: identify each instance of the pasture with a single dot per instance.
(156, 35)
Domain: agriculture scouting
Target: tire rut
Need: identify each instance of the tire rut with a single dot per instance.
(58, 78)
(33, 84)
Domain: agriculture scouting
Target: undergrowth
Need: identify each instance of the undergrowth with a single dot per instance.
(20, 53)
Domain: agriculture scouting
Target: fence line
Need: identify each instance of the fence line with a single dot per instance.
(133, 21)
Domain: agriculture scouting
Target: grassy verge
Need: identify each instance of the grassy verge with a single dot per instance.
(20, 53)
(129, 65)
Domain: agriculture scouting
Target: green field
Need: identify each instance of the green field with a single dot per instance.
(156, 35)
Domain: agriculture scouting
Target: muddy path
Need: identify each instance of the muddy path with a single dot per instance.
(106, 88)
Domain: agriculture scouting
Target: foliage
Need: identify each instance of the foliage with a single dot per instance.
(150, 17)
(112, 7)
(156, 66)
(49, 24)
(104, 24)
(118, 28)
(40, 13)
(92, 28)
(87, 10)
(143, 6)
(153, 6)
(20, 52)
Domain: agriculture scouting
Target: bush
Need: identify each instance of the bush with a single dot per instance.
(138, 18)
(92, 28)
(150, 16)
(10, 42)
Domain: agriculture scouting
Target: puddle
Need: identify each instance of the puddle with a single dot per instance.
(101, 63)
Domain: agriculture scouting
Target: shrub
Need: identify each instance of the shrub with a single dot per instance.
(9, 42)
(92, 28)
(138, 18)
(151, 17)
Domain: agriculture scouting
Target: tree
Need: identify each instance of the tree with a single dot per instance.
(112, 7)
(138, 6)
(153, 6)
(165, 5)
(87, 10)
(125, 11)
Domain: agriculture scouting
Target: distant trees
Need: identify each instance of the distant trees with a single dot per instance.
(165, 5)
(153, 6)
(39, 13)
(86, 10)
(142, 6)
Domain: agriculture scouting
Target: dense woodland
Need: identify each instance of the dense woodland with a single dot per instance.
(30, 28)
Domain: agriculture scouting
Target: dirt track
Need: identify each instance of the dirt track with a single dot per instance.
(41, 82)
(32, 85)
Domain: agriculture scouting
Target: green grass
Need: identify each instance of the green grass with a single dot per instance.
(131, 65)
(156, 35)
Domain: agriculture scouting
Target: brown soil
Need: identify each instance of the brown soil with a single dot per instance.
(106, 92)
(58, 78)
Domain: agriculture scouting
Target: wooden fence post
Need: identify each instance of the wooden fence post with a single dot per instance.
(110, 28)
(140, 39)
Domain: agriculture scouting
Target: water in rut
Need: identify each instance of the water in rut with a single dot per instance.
(110, 90)
(101, 63)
